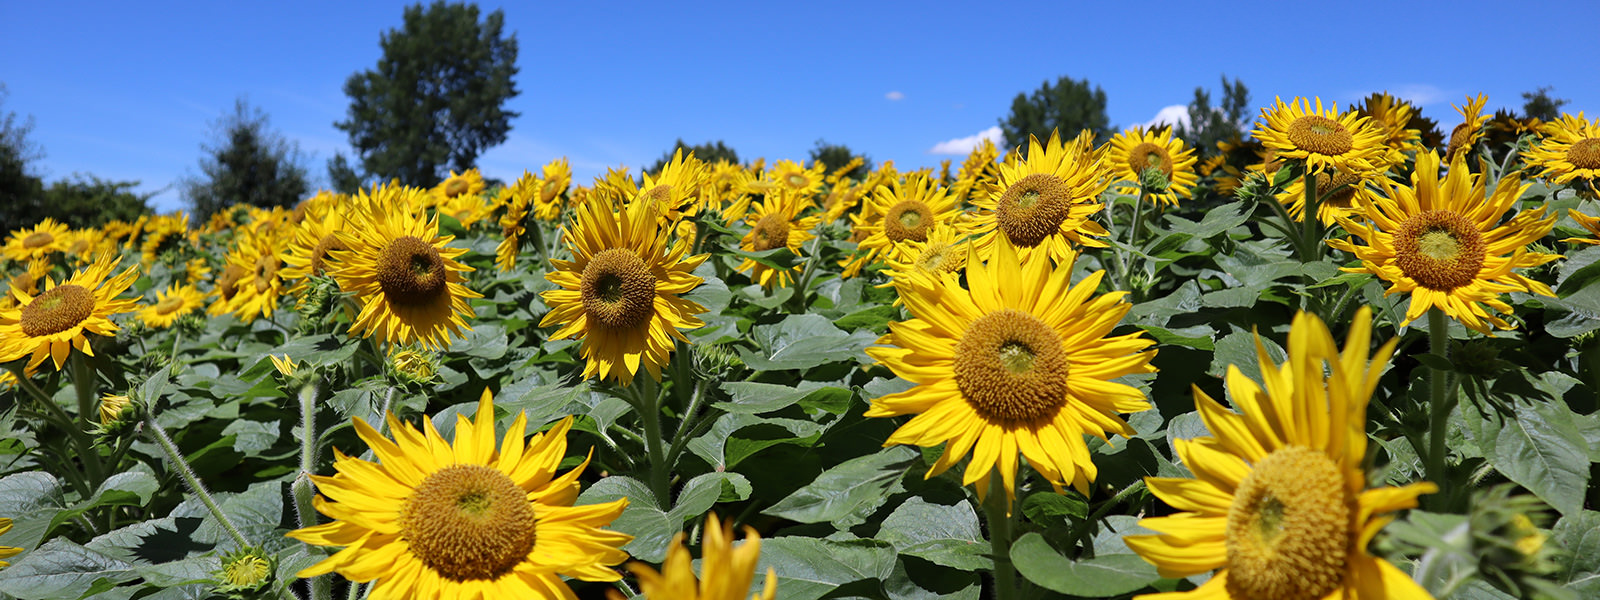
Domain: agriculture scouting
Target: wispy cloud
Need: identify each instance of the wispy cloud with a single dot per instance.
(965, 145)
(1420, 93)
(1176, 114)
(895, 96)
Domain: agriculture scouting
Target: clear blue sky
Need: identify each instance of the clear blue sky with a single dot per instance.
(127, 90)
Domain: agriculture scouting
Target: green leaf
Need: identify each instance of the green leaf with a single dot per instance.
(1579, 567)
(876, 319)
(1047, 508)
(810, 568)
(943, 535)
(778, 258)
(1099, 577)
(1582, 310)
(721, 448)
(1239, 349)
(60, 569)
(804, 341)
(1541, 448)
(484, 340)
(652, 529)
(1198, 337)
(126, 488)
(756, 398)
(32, 499)
(847, 494)
(541, 403)
(918, 583)
(705, 490)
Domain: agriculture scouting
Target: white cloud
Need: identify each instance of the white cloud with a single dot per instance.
(964, 146)
(1177, 114)
(895, 96)
(1419, 94)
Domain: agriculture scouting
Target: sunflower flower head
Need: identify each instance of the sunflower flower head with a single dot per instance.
(61, 317)
(1135, 153)
(1569, 151)
(725, 571)
(1021, 363)
(466, 519)
(1045, 203)
(1443, 242)
(244, 571)
(1321, 137)
(39, 241)
(1470, 131)
(1279, 505)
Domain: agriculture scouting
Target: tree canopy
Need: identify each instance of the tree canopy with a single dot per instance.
(247, 162)
(1209, 124)
(1068, 106)
(709, 152)
(1539, 105)
(437, 97)
(834, 156)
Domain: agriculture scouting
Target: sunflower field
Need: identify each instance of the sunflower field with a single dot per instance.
(1348, 357)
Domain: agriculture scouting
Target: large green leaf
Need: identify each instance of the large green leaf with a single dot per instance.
(31, 499)
(1098, 577)
(1579, 536)
(804, 341)
(652, 529)
(941, 534)
(810, 568)
(847, 494)
(60, 569)
(756, 398)
(1540, 447)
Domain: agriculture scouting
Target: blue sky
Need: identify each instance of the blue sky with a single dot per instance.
(128, 90)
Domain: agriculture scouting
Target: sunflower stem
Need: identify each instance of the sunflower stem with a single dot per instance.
(308, 429)
(303, 489)
(1005, 573)
(84, 384)
(193, 481)
(649, 407)
(538, 240)
(55, 415)
(1310, 237)
(1440, 402)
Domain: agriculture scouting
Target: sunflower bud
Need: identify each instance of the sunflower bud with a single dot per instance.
(1153, 181)
(244, 573)
(412, 366)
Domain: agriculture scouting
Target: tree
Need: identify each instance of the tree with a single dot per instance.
(437, 98)
(1209, 125)
(1538, 104)
(21, 190)
(1069, 106)
(342, 177)
(709, 152)
(834, 156)
(249, 163)
(89, 201)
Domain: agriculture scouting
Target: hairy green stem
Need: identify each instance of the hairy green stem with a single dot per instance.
(1440, 403)
(1005, 573)
(1309, 220)
(649, 407)
(193, 481)
(303, 489)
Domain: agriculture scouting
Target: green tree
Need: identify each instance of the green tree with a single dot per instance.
(709, 152)
(21, 189)
(1209, 125)
(342, 177)
(1540, 105)
(437, 98)
(249, 163)
(89, 201)
(1068, 106)
(834, 156)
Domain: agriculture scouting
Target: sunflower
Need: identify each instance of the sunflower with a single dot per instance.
(1135, 150)
(1392, 116)
(315, 238)
(514, 222)
(1569, 150)
(621, 292)
(163, 233)
(1443, 242)
(1279, 505)
(54, 322)
(1322, 138)
(1467, 134)
(977, 171)
(1046, 202)
(1587, 222)
(255, 258)
(725, 571)
(10, 551)
(1341, 194)
(177, 301)
(467, 183)
(433, 519)
(945, 251)
(907, 211)
(1019, 363)
(25, 282)
(789, 175)
(776, 223)
(405, 278)
(675, 190)
(552, 185)
(44, 239)
(843, 196)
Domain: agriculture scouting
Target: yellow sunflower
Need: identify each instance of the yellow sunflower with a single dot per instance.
(54, 322)
(1392, 116)
(255, 258)
(310, 252)
(177, 301)
(776, 223)
(789, 175)
(1135, 150)
(1470, 131)
(83, 245)
(622, 291)
(1046, 202)
(1569, 150)
(10, 551)
(1279, 505)
(514, 222)
(945, 251)
(1443, 242)
(403, 274)
(725, 571)
(25, 282)
(843, 196)
(225, 288)
(1019, 364)
(676, 189)
(1322, 138)
(1347, 191)
(163, 233)
(552, 186)
(432, 519)
(44, 239)
(467, 183)
(1587, 222)
(907, 211)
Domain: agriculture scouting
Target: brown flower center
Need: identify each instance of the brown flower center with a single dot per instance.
(1460, 141)
(1343, 187)
(1288, 530)
(1033, 208)
(1011, 369)
(1320, 135)
(1585, 154)
(908, 220)
(228, 282)
(63, 307)
(1439, 249)
(38, 240)
(659, 194)
(411, 272)
(468, 522)
(456, 187)
(1147, 156)
(169, 304)
(548, 191)
(319, 254)
(618, 289)
(266, 273)
(771, 231)
(797, 181)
